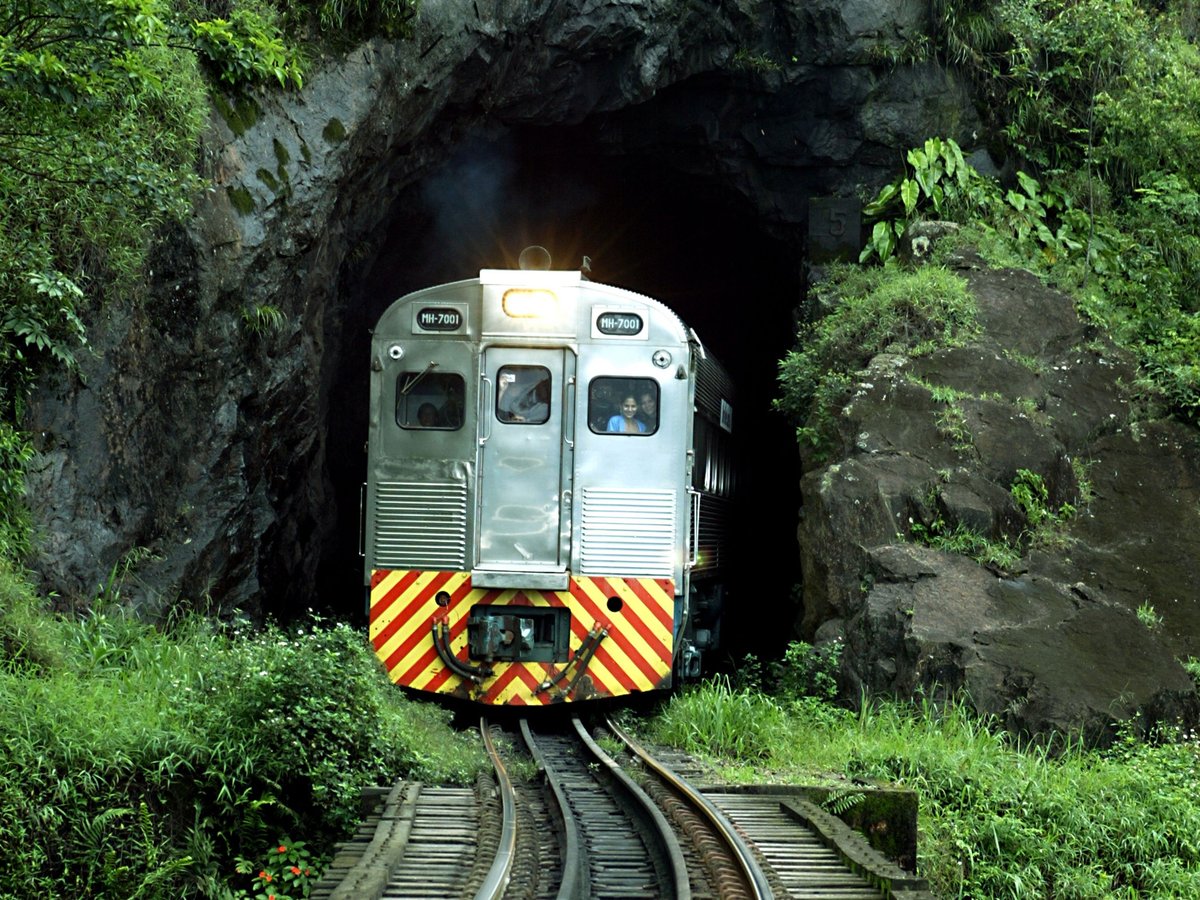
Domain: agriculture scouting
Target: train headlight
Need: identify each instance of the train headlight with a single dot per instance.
(661, 358)
(396, 351)
(529, 303)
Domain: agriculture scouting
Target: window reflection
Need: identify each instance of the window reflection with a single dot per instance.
(523, 395)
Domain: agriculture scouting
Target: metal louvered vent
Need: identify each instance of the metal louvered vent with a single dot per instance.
(715, 526)
(712, 385)
(420, 525)
(628, 532)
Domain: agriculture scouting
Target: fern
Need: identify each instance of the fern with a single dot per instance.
(842, 800)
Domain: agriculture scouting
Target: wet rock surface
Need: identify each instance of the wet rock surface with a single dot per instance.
(1054, 642)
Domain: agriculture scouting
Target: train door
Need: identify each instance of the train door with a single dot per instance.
(524, 479)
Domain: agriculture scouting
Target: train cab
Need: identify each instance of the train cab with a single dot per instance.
(535, 510)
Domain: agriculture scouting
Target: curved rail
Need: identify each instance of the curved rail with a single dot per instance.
(755, 880)
(593, 797)
(498, 876)
(574, 855)
(674, 856)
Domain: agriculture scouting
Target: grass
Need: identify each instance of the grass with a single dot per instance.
(141, 763)
(997, 819)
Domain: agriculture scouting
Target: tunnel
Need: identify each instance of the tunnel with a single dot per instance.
(643, 226)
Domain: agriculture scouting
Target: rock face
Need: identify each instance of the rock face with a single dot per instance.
(191, 464)
(1056, 642)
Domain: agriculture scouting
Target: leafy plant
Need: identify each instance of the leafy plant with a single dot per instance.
(264, 318)
(1149, 616)
(247, 48)
(1032, 497)
(285, 872)
(345, 21)
(754, 62)
(807, 671)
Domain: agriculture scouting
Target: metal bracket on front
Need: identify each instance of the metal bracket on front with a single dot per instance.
(579, 662)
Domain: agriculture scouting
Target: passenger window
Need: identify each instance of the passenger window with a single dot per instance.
(523, 395)
(430, 400)
(623, 406)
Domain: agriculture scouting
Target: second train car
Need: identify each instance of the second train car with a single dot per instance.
(549, 485)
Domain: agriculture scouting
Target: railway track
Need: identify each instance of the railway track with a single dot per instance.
(589, 827)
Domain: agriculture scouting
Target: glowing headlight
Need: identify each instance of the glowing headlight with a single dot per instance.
(529, 303)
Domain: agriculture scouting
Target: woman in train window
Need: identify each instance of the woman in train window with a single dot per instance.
(626, 421)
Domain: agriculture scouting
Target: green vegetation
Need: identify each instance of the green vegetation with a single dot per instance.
(867, 311)
(1096, 103)
(103, 102)
(142, 763)
(1149, 616)
(1000, 553)
(1043, 525)
(997, 819)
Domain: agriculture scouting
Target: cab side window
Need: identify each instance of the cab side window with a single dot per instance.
(430, 400)
(623, 406)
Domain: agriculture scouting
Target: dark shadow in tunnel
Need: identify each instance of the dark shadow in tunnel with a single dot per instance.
(644, 227)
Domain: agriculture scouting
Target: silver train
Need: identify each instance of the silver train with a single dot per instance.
(550, 477)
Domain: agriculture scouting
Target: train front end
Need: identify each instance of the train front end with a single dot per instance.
(528, 499)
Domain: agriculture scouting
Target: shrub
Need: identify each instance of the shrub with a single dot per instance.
(138, 763)
(807, 671)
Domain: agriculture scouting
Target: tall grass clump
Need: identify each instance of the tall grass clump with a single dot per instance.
(136, 763)
(1003, 820)
(717, 718)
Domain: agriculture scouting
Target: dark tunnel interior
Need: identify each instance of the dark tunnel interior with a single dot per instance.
(644, 227)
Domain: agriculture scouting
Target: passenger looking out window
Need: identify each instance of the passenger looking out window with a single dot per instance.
(626, 421)
(430, 400)
(523, 395)
(623, 405)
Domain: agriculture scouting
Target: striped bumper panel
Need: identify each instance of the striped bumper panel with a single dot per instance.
(634, 655)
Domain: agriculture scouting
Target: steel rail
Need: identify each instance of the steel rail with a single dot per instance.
(674, 855)
(574, 853)
(498, 876)
(755, 879)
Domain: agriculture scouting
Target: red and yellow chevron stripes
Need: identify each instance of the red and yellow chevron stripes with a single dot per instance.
(635, 654)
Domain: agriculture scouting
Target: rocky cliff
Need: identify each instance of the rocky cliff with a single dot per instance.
(1088, 628)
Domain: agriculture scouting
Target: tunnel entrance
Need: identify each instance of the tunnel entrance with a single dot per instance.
(681, 239)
